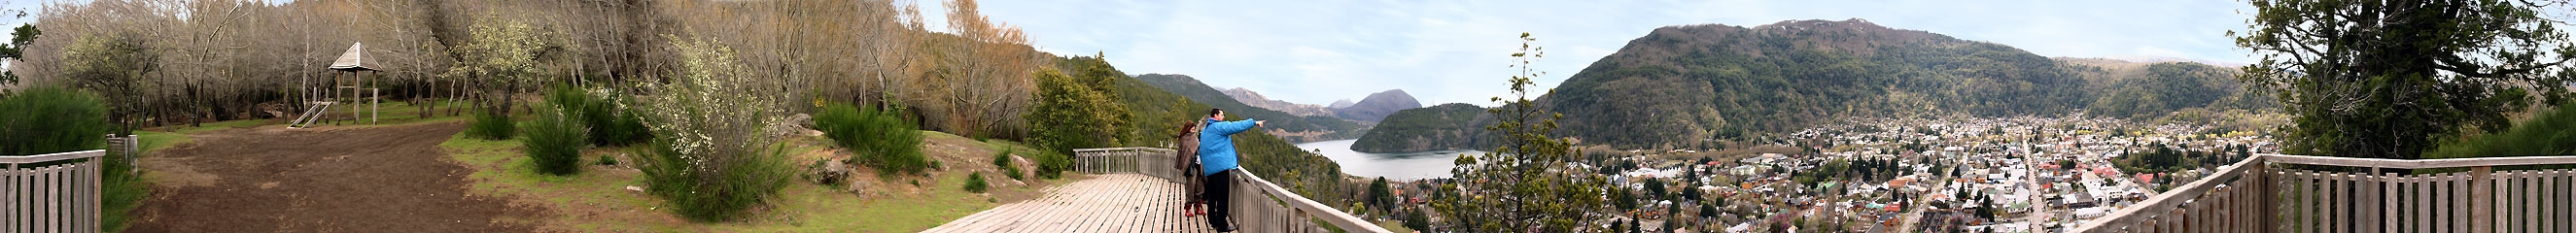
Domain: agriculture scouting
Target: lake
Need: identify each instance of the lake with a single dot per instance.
(1393, 166)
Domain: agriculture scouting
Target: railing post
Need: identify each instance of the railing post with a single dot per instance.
(2264, 186)
(2481, 200)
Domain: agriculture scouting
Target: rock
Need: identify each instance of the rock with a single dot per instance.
(634, 188)
(793, 124)
(857, 187)
(833, 172)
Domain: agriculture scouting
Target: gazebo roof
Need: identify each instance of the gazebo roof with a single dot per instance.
(353, 60)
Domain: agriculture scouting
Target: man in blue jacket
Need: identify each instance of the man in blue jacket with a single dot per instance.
(1217, 161)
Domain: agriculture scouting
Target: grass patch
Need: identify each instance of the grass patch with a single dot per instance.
(212, 126)
(491, 125)
(155, 141)
(596, 200)
(1393, 226)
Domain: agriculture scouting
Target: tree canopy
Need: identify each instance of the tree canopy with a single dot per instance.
(2386, 79)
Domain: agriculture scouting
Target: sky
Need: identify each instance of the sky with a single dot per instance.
(1319, 51)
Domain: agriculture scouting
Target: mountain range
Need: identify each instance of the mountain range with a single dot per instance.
(1294, 128)
(1248, 97)
(1694, 85)
(1368, 110)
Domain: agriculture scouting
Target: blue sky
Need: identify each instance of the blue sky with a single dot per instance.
(1318, 51)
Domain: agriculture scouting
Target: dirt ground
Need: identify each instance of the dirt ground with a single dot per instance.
(341, 179)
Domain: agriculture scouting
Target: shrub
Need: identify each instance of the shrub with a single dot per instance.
(490, 125)
(45, 120)
(880, 138)
(52, 120)
(605, 160)
(713, 189)
(554, 140)
(712, 157)
(975, 183)
(610, 124)
(1003, 161)
(1052, 165)
(2549, 132)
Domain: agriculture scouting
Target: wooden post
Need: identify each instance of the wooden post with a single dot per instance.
(2388, 201)
(2262, 175)
(2481, 200)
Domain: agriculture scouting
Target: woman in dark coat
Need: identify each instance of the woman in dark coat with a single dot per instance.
(1188, 162)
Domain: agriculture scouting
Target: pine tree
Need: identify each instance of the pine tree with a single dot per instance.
(2379, 79)
(1525, 184)
(1380, 195)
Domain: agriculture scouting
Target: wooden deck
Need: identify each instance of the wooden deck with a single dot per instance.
(1104, 203)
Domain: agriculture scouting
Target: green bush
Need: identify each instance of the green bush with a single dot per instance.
(554, 141)
(52, 120)
(1003, 161)
(1052, 165)
(975, 183)
(717, 189)
(609, 124)
(490, 125)
(46, 120)
(712, 157)
(2550, 132)
(880, 138)
(605, 160)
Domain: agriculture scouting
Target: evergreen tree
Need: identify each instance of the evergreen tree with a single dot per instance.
(1707, 211)
(2377, 79)
(1380, 196)
(1626, 201)
(1655, 188)
(1413, 218)
(17, 48)
(1525, 184)
(1069, 114)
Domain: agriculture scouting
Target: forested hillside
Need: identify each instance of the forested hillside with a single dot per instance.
(1685, 85)
(1440, 127)
(1295, 128)
(2146, 91)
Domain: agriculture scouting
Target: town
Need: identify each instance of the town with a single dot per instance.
(2019, 174)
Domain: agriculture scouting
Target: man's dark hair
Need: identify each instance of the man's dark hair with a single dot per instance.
(1214, 111)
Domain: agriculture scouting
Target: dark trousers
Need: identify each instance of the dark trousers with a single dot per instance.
(1217, 188)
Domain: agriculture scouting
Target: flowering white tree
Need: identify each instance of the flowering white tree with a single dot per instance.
(715, 156)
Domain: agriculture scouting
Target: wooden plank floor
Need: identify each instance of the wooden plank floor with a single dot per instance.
(1104, 203)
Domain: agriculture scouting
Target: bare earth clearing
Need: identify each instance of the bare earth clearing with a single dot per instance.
(339, 179)
(254, 176)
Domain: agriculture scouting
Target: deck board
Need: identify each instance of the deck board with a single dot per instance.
(1104, 203)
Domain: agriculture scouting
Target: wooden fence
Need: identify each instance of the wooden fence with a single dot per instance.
(51, 192)
(2275, 193)
(1259, 206)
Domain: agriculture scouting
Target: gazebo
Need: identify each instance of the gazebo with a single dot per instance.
(351, 85)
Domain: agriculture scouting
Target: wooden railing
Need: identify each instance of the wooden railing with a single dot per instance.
(51, 192)
(1259, 206)
(1155, 162)
(2280, 193)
